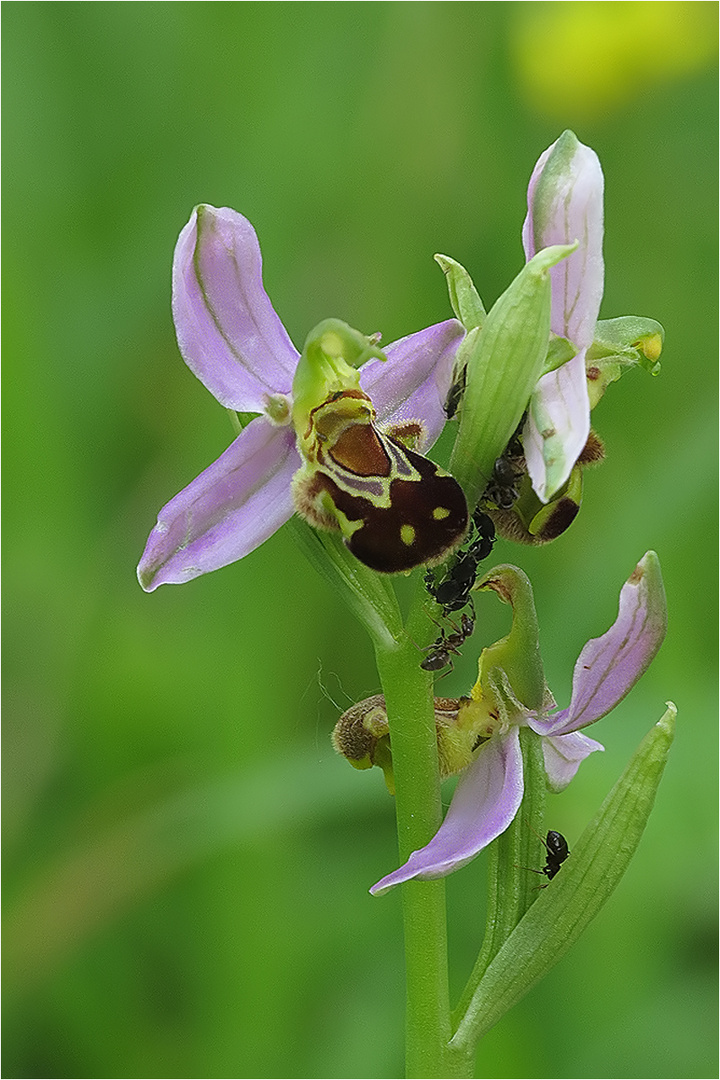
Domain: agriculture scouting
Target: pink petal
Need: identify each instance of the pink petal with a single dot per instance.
(486, 800)
(563, 754)
(565, 203)
(227, 511)
(413, 383)
(227, 329)
(609, 666)
(557, 426)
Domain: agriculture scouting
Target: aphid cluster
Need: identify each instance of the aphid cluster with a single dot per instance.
(452, 593)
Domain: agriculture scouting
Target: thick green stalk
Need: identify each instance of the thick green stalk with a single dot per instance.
(409, 698)
(411, 717)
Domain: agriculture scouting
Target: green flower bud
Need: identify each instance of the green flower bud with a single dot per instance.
(503, 360)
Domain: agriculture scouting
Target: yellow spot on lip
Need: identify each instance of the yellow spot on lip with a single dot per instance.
(407, 535)
(440, 512)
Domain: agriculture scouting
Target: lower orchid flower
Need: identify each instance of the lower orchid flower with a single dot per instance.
(510, 693)
(231, 338)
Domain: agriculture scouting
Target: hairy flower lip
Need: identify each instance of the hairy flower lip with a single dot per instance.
(233, 340)
(490, 790)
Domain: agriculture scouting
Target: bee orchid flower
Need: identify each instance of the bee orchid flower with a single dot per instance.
(511, 692)
(231, 337)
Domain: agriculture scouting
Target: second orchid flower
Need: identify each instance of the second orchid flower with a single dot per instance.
(511, 693)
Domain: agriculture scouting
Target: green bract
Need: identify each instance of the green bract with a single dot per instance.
(464, 297)
(503, 359)
(560, 914)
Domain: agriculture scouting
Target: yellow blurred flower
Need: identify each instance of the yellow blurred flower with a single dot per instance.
(581, 59)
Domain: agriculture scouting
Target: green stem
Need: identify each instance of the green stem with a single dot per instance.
(369, 596)
(409, 699)
(511, 888)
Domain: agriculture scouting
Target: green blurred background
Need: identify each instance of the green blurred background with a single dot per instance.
(186, 861)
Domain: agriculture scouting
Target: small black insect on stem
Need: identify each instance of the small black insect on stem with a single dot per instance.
(501, 488)
(557, 852)
(439, 654)
(453, 590)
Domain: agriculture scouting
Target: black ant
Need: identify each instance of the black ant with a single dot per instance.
(453, 590)
(438, 655)
(557, 852)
